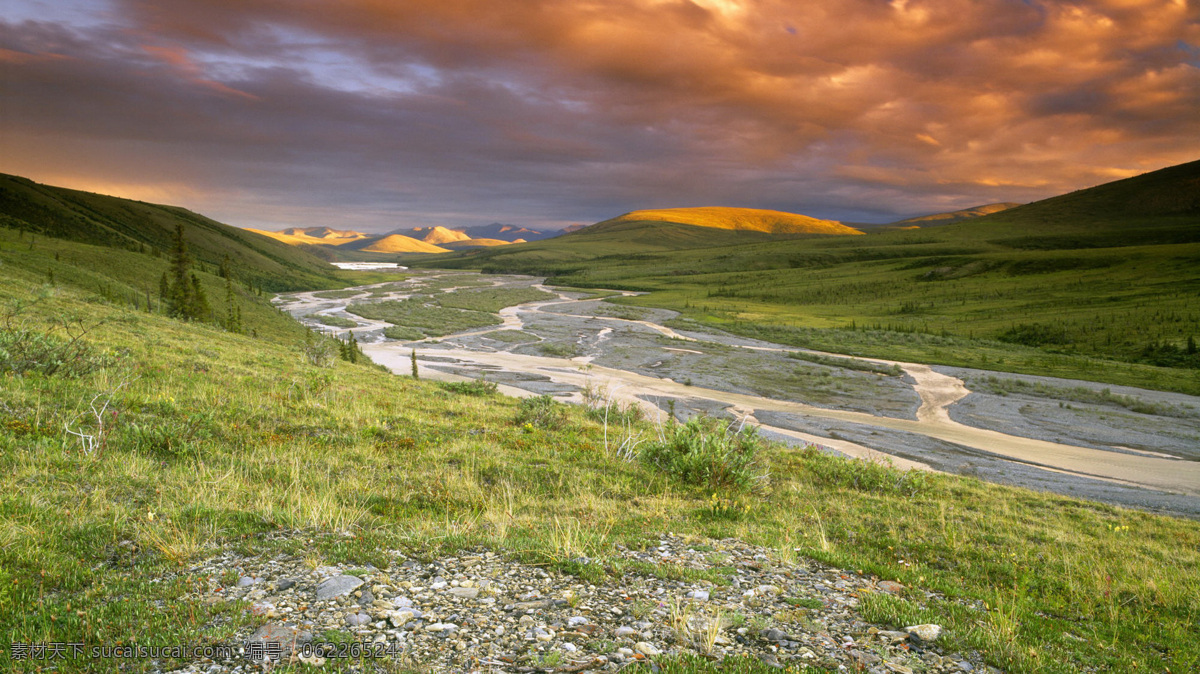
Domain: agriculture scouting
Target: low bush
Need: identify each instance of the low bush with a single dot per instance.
(479, 387)
(541, 412)
(709, 452)
(866, 476)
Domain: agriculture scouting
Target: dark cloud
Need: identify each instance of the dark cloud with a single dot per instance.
(373, 114)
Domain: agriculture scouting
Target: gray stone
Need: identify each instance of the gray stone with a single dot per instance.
(625, 631)
(337, 586)
(775, 635)
(356, 619)
(247, 581)
(366, 599)
(441, 627)
(289, 638)
(646, 648)
(576, 621)
(284, 584)
(702, 595)
(926, 633)
(464, 592)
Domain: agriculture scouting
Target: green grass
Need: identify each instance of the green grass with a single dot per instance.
(433, 321)
(222, 440)
(337, 294)
(491, 299)
(335, 321)
(512, 336)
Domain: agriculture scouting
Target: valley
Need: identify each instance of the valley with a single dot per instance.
(1121, 445)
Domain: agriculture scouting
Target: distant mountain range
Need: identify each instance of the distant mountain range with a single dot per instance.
(435, 239)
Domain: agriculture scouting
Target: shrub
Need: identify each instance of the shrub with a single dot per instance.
(863, 475)
(23, 350)
(403, 334)
(709, 452)
(542, 412)
(480, 387)
(319, 351)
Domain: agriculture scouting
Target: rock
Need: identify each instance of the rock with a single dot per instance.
(357, 619)
(263, 609)
(247, 581)
(337, 586)
(890, 586)
(569, 647)
(925, 633)
(536, 604)
(867, 659)
(576, 621)
(441, 627)
(543, 635)
(278, 640)
(284, 584)
(775, 635)
(702, 595)
(464, 592)
(625, 631)
(367, 598)
(646, 648)
(894, 637)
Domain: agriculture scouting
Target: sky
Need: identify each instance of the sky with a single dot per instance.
(380, 114)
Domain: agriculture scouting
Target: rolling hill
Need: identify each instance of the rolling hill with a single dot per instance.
(646, 232)
(740, 219)
(937, 219)
(138, 226)
(435, 235)
(510, 233)
(313, 236)
(393, 243)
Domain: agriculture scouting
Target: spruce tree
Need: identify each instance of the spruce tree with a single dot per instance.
(199, 308)
(180, 300)
(233, 313)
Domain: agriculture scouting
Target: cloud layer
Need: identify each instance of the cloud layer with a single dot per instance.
(375, 114)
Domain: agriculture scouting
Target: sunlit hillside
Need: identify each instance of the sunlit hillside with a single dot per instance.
(744, 219)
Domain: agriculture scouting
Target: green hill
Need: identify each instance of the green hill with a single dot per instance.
(740, 219)
(629, 237)
(937, 219)
(1071, 286)
(137, 226)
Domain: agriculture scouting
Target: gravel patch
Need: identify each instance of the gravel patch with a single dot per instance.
(479, 611)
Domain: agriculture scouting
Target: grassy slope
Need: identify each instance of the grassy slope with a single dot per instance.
(1085, 284)
(219, 439)
(744, 219)
(134, 225)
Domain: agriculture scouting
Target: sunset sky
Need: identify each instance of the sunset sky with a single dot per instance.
(378, 114)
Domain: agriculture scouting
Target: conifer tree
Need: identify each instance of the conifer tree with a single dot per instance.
(199, 308)
(180, 303)
(233, 313)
